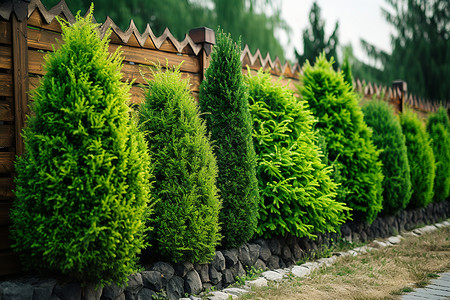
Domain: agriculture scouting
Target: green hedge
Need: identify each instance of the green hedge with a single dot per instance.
(438, 128)
(224, 103)
(421, 159)
(82, 186)
(388, 136)
(348, 139)
(185, 222)
(297, 193)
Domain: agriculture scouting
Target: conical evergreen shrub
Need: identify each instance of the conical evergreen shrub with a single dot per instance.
(438, 127)
(348, 139)
(82, 186)
(388, 136)
(297, 193)
(421, 159)
(185, 223)
(224, 103)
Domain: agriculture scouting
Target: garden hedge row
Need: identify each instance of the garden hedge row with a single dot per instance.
(258, 161)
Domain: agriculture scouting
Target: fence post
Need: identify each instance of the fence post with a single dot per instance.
(20, 68)
(207, 38)
(401, 86)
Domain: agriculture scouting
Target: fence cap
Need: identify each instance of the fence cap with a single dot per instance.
(400, 84)
(19, 7)
(203, 35)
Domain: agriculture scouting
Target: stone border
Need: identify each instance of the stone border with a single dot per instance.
(175, 281)
(306, 269)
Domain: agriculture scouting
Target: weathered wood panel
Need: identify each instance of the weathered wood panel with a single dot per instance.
(20, 79)
(6, 191)
(7, 162)
(6, 111)
(130, 71)
(5, 57)
(5, 32)
(6, 85)
(45, 40)
(7, 136)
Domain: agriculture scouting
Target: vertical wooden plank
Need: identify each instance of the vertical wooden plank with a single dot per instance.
(402, 87)
(20, 77)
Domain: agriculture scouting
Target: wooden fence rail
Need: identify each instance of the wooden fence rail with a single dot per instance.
(28, 31)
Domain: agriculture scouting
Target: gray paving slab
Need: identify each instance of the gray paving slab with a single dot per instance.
(436, 292)
(438, 289)
(412, 297)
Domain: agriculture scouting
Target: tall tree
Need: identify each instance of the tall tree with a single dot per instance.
(420, 46)
(314, 41)
(224, 101)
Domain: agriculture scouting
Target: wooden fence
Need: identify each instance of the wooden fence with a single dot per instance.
(27, 32)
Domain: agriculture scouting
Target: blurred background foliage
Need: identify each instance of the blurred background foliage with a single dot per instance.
(420, 38)
(247, 18)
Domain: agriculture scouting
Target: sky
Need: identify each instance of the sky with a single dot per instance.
(357, 19)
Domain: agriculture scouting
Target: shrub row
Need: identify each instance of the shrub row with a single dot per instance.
(97, 186)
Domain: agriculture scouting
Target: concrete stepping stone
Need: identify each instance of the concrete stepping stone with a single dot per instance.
(235, 291)
(260, 282)
(217, 295)
(272, 276)
(300, 271)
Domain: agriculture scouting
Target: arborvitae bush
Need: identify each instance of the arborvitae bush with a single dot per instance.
(438, 127)
(349, 140)
(82, 186)
(297, 193)
(224, 103)
(185, 221)
(421, 159)
(388, 136)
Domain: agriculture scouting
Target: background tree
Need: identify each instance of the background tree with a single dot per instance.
(348, 139)
(256, 21)
(420, 47)
(314, 41)
(224, 103)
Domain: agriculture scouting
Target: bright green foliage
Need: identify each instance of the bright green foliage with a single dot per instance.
(388, 136)
(224, 103)
(421, 159)
(187, 210)
(297, 193)
(349, 140)
(82, 186)
(438, 126)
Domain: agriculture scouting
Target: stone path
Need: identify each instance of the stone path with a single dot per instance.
(438, 289)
